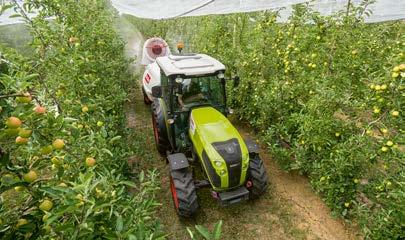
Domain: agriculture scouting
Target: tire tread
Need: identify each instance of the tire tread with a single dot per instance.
(258, 176)
(186, 192)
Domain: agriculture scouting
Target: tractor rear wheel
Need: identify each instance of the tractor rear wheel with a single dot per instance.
(159, 128)
(183, 192)
(258, 176)
(146, 99)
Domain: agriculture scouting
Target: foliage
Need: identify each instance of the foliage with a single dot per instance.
(325, 93)
(148, 27)
(205, 233)
(64, 170)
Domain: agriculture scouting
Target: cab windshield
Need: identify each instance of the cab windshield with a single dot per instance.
(200, 90)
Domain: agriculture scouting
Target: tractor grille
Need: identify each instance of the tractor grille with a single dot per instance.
(212, 174)
(231, 152)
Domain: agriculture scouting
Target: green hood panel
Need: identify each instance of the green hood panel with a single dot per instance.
(209, 127)
(212, 125)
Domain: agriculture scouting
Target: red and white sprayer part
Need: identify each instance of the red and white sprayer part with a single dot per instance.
(153, 48)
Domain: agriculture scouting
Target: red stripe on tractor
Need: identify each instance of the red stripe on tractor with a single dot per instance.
(174, 193)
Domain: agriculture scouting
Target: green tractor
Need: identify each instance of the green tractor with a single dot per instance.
(187, 94)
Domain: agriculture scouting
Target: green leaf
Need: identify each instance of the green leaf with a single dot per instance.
(30, 77)
(203, 231)
(15, 15)
(128, 183)
(119, 224)
(103, 132)
(56, 190)
(217, 230)
(69, 119)
(190, 233)
(132, 237)
(4, 7)
(5, 229)
(141, 231)
(158, 236)
(116, 138)
(61, 211)
(107, 151)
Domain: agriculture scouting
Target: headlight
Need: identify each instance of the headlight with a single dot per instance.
(223, 172)
(218, 163)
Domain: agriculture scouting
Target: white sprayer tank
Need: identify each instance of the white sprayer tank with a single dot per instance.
(152, 49)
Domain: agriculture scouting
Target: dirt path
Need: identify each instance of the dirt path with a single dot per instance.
(289, 210)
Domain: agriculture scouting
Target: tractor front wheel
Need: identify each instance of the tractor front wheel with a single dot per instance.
(258, 177)
(183, 192)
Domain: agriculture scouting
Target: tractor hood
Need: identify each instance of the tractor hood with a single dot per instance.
(220, 148)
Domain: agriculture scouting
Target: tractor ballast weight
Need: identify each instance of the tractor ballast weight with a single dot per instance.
(187, 93)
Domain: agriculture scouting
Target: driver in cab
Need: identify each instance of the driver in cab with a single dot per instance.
(191, 91)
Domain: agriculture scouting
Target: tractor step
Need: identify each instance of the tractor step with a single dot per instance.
(233, 196)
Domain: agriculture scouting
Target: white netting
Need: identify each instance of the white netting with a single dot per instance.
(382, 10)
(5, 16)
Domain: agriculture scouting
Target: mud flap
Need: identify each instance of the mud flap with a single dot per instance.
(177, 161)
(252, 146)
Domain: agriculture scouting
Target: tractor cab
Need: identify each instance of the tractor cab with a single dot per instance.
(195, 80)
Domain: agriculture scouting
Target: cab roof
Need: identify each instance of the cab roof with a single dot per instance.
(189, 64)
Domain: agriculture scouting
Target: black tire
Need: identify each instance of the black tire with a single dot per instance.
(184, 192)
(258, 176)
(146, 99)
(159, 128)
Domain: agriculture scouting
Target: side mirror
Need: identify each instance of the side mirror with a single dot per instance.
(236, 81)
(157, 91)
